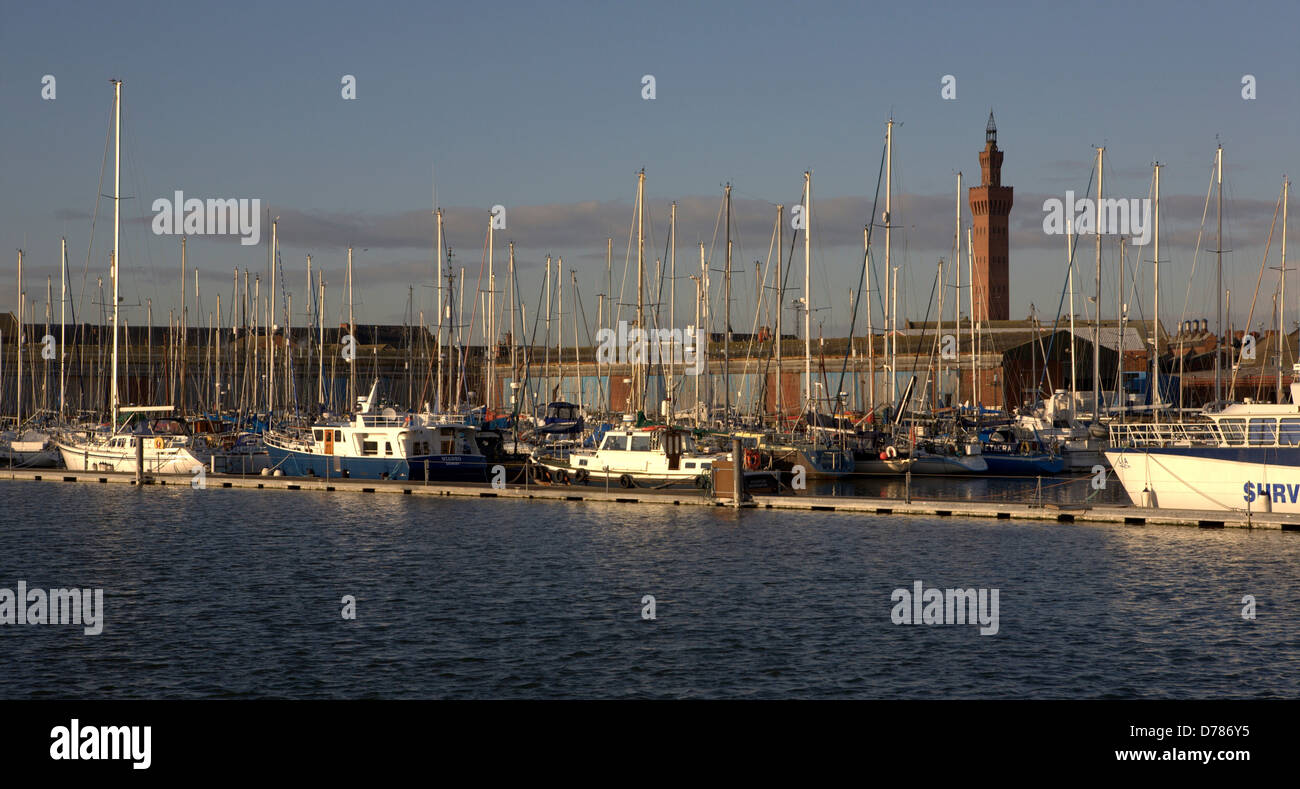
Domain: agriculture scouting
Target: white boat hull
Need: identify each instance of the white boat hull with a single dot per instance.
(1173, 479)
(168, 460)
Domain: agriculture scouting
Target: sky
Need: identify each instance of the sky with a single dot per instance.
(542, 109)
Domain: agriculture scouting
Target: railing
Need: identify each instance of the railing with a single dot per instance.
(1170, 434)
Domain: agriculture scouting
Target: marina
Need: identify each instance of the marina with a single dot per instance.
(358, 361)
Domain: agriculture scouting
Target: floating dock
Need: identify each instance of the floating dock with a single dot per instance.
(1009, 510)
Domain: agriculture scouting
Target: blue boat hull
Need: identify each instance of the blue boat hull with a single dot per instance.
(1023, 465)
(441, 468)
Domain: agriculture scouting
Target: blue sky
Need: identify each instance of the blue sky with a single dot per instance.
(539, 108)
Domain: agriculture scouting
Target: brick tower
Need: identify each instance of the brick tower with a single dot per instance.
(990, 205)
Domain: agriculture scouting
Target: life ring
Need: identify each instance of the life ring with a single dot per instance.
(157, 443)
(753, 460)
(891, 452)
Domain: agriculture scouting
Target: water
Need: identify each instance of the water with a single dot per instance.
(237, 593)
(1095, 490)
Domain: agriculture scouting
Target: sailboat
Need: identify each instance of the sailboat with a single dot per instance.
(162, 446)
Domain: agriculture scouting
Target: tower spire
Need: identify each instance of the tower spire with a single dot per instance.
(990, 205)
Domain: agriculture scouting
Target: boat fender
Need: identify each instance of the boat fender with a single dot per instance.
(157, 443)
(891, 452)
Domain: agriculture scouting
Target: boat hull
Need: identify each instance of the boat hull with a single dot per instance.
(441, 468)
(1211, 478)
(1024, 465)
(169, 460)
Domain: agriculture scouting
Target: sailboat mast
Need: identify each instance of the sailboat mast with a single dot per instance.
(708, 330)
(891, 320)
(726, 329)
(352, 332)
(672, 306)
(117, 230)
(974, 350)
(1096, 328)
(956, 303)
(22, 301)
(807, 288)
(780, 305)
(441, 308)
(871, 334)
(638, 375)
(184, 334)
(1155, 320)
(1074, 342)
(1281, 297)
(1218, 290)
(270, 328)
(490, 340)
(63, 307)
(514, 369)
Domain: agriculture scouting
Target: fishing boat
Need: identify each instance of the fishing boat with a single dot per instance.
(634, 456)
(383, 445)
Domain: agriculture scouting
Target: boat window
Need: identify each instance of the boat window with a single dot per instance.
(690, 465)
(320, 434)
(1263, 432)
(1289, 436)
(1234, 431)
(705, 465)
(338, 435)
(640, 443)
(388, 448)
(370, 447)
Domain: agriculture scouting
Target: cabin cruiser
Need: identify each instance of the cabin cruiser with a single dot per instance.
(1054, 422)
(634, 456)
(383, 445)
(1245, 457)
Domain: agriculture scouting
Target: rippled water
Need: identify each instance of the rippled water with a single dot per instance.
(236, 593)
